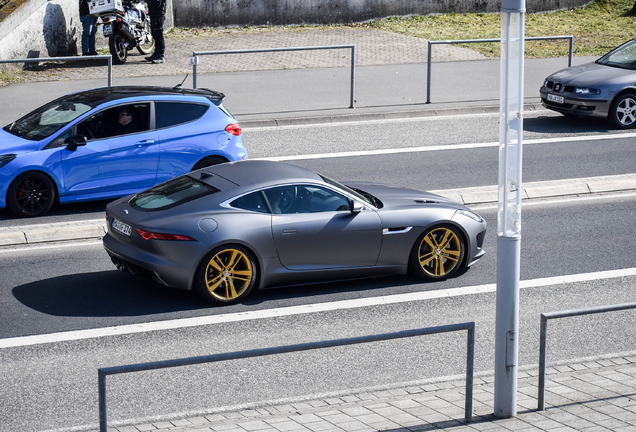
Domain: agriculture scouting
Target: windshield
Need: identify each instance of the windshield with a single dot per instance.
(50, 118)
(361, 195)
(623, 57)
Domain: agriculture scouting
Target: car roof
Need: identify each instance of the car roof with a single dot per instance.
(100, 95)
(261, 173)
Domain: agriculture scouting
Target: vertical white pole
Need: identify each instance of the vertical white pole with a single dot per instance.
(509, 214)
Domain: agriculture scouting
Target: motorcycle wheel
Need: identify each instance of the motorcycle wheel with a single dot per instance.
(116, 44)
(147, 48)
(150, 46)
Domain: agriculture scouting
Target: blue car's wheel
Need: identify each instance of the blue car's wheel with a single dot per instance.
(31, 194)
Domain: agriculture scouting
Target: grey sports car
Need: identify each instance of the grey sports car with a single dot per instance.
(604, 88)
(227, 229)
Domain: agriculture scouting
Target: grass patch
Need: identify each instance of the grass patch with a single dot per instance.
(597, 28)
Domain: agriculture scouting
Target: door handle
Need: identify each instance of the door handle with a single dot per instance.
(145, 143)
(290, 231)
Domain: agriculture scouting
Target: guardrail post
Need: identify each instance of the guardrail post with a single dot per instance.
(542, 359)
(110, 71)
(353, 77)
(101, 389)
(428, 73)
(470, 367)
(571, 49)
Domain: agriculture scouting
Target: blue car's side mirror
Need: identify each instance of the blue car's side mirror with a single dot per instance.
(72, 143)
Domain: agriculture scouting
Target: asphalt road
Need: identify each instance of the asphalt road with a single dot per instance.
(598, 151)
(74, 286)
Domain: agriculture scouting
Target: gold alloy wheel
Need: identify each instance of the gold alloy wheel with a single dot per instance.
(228, 274)
(440, 252)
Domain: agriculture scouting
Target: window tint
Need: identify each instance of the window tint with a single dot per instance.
(171, 194)
(305, 199)
(253, 202)
(116, 121)
(174, 113)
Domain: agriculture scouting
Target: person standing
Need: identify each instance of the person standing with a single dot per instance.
(157, 11)
(89, 28)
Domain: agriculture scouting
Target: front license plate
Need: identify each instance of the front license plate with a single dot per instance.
(555, 98)
(121, 227)
(108, 30)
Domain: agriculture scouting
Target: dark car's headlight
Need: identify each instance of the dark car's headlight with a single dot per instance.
(587, 90)
(5, 159)
(469, 214)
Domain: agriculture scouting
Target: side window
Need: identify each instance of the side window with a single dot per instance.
(175, 113)
(116, 121)
(305, 199)
(252, 202)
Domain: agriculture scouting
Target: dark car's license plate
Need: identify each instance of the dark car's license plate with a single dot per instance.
(121, 227)
(555, 98)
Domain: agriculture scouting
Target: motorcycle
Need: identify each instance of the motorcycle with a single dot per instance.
(126, 25)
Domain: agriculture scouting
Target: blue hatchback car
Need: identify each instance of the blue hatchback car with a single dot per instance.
(109, 142)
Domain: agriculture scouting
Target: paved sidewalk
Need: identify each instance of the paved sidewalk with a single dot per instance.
(590, 395)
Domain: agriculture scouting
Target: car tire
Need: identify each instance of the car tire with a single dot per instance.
(31, 194)
(622, 112)
(227, 275)
(438, 253)
(209, 161)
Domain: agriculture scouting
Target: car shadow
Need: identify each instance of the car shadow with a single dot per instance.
(89, 208)
(104, 294)
(566, 124)
(118, 294)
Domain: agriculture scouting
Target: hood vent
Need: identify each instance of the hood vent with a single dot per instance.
(419, 201)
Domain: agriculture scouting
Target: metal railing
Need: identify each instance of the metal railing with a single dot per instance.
(440, 42)
(195, 60)
(470, 356)
(544, 334)
(69, 58)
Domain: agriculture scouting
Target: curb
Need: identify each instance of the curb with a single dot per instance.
(361, 116)
(96, 228)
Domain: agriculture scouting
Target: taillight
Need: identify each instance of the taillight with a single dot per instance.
(234, 129)
(147, 235)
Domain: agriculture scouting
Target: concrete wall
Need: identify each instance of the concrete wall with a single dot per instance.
(225, 13)
(46, 28)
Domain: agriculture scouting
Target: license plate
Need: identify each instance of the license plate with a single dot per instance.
(555, 98)
(121, 227)
(108, 30)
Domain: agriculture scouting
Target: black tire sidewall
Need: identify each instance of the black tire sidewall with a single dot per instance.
(209, 161)
(12, 202)
(112, 46)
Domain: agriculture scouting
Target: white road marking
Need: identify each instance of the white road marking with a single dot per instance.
(299, 310)
(443, 147)
(31, 247)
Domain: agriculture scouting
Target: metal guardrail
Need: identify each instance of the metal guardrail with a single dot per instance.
(196, 55)
(470, 356)
(440, 42)
(69, 58)
(544, 333)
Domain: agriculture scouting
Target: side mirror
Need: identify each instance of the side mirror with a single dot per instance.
(356, 207)
(72, 143)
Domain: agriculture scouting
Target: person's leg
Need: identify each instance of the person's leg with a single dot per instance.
(156, 26)
(86, 31)
(93, 32)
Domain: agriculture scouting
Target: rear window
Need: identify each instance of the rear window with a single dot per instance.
(175, 113)
(171, 194)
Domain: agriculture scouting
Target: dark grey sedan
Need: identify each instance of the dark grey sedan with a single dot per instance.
(604, 88)
(227, 229)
